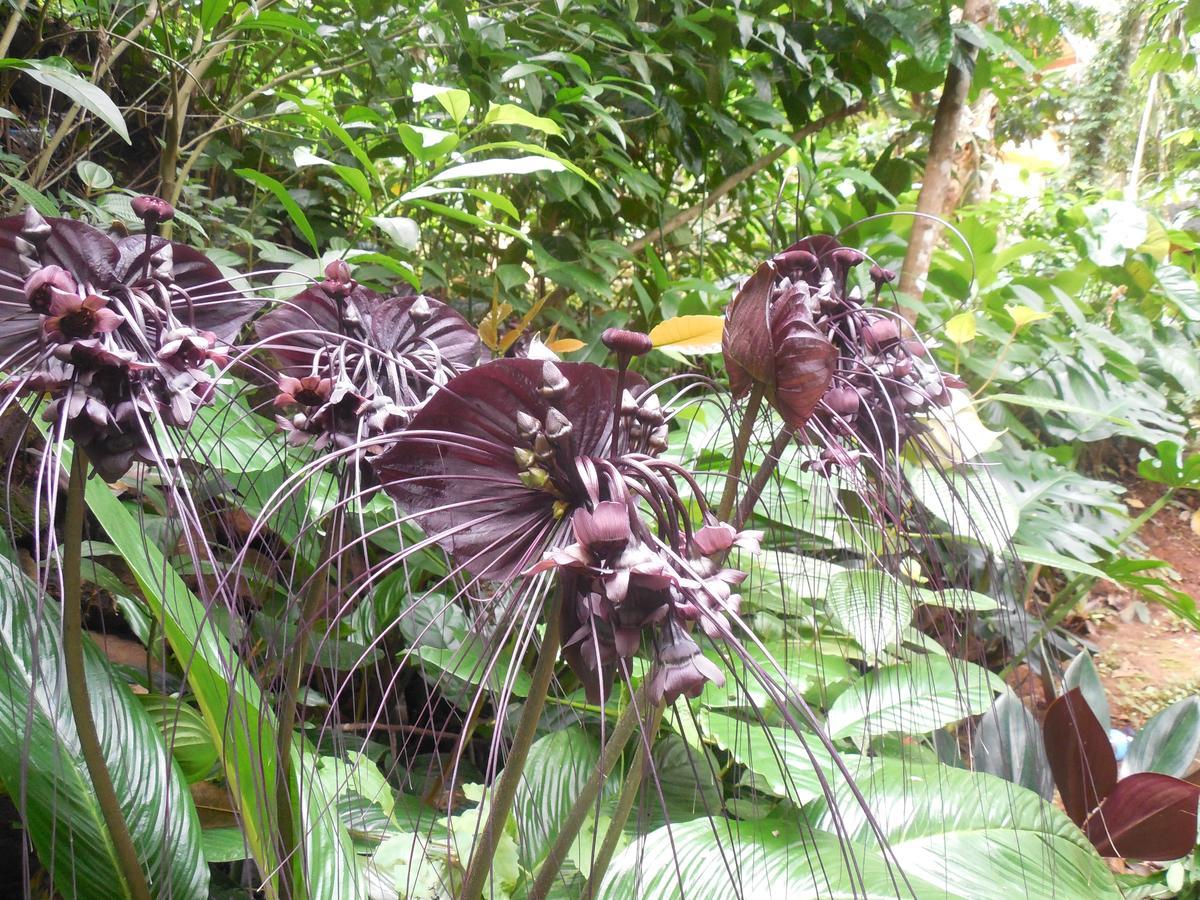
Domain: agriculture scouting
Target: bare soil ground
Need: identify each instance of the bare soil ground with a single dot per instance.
(1148, 657)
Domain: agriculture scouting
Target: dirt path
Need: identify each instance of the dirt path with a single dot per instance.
(1147, 665)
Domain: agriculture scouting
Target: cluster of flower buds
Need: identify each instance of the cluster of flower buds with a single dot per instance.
(121, 334)
(357, 364)
(617, 583)
(826, 357)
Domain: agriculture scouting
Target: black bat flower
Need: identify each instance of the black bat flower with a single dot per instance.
(358, 364)
(523, 466)
(120, 333)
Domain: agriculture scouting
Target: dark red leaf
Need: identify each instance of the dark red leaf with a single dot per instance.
(805, 361)
(1147, 816)
(746, 342)
(312, 319)
(1080, 755)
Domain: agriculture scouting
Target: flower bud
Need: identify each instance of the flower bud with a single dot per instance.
(882, 276)
(527, 426)
(420, 311)
(152, 210)
(627, 343)
(843, 401)
(558, 426)
(881, 333)
(554, 383)
(34, 227)
(45, 284)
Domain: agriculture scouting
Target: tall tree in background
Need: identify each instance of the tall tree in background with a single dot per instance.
(939, 164)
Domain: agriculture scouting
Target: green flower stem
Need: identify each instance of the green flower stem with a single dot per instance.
(77, 691)
(505, 791)
(629, 791)
(741, 445)
(285, 804)
(584, 804)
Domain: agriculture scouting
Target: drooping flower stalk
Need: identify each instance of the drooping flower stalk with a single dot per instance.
(77, 689)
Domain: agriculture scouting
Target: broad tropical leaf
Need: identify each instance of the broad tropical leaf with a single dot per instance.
(44, 772)
(971, 835)
(716, 859)
(912, 698)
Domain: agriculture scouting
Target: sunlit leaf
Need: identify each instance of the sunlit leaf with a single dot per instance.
(689, 335)
(510, 114)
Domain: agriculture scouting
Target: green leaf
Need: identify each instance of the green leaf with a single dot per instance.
(487, 168)
(1008, 743)
(185, 733)
(43, 770)
(1051, 404)
(1042, 557)
(402, 231)
(807, 667)
(224, 845)
(32, 196)
(912, 698)
(511, 114)
(970, 503)
(238, 717)
(1082, 674)
(1169, 742)
(772, 857)
(426, 144)
(80, 91)
(785, 764)
(461, 215)
(290, 206)
(682, 785)
(872, 606)
(454, 101)
(533, 150)
(211, 12)
(558, 766)
(94, 176)
(969, 834)
(469, 662)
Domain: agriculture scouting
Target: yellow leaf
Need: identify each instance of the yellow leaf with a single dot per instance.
(565, 345)
(689, 334)
(955, 433)
(961, 328)
(1196, 523)
(489, 327)
(1023, 315)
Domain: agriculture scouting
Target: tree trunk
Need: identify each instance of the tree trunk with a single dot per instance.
(939, 165)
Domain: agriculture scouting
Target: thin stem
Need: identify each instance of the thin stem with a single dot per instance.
(622, 365)
(629, 791)
(741, 445)
(584, 801)
(514, 766)
(762, 475)
(81, 706)
(289, 700)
